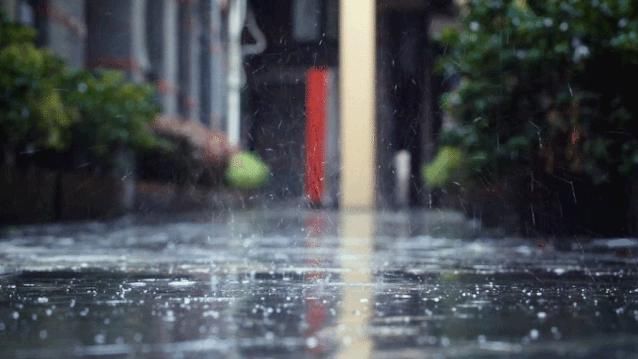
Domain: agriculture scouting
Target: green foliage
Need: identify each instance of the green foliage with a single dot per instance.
(45, 105)
(446, 165)
(32, 110)
(113, 113)
(14, 34)
(246, 171)
(546, 87)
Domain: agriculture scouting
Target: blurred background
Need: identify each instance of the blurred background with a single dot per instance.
(112, 104)
(515, 113)
(318, 178)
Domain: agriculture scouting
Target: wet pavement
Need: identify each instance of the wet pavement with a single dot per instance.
(312, 284)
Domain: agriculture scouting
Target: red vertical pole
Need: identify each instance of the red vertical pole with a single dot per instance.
(316, 100)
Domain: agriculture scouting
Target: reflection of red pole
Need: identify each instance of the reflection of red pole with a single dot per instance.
(314, 227)
(316, 311)
(316, 100)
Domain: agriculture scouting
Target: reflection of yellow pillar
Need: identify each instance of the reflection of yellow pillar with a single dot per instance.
(357, 70)
(355, 312)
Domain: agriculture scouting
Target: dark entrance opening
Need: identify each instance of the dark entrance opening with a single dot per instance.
(301, 34)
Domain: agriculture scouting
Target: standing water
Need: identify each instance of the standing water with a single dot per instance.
(312, 284)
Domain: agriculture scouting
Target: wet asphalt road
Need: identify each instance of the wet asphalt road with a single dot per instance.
(312, 284)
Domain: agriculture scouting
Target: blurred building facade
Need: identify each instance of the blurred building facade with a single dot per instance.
(178, 45)
(303, 36)
(243, 67)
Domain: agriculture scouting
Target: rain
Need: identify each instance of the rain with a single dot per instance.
(318, 179)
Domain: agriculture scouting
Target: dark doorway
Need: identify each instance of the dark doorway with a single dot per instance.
(301, 35)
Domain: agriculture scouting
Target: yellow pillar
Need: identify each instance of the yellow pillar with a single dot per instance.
(357, 92)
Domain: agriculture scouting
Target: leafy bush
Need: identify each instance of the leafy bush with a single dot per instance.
(447, 165)
(32, 109)
(46, 106)
(546, 88)
(246, 171)
(113, 113)
(13, 33)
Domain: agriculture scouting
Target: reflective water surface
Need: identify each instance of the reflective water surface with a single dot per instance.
(296, 283)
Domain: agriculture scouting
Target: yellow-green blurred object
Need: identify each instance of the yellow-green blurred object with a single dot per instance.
(446, 165)
(246, 171)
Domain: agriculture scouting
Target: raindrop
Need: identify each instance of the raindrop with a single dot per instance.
(620, 310)
(534, 334)
(181, 283)
(312, 342)
(559, 271)
(556, 333)
(100, 339)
